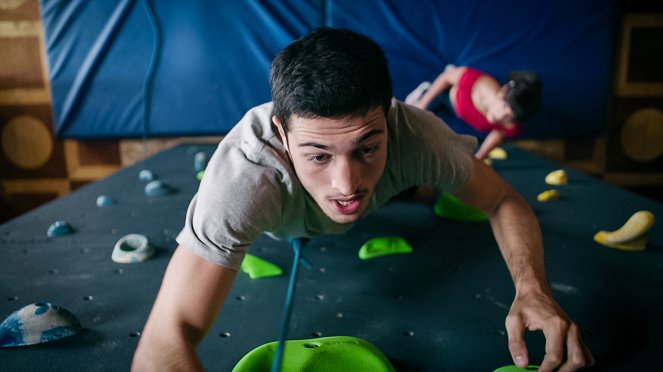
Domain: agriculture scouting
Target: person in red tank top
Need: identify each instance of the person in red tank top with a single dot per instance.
(483, 103)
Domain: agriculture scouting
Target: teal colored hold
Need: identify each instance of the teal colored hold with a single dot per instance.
(200, 161)
(59, 228)
(157, 188)
(104, 201)
(146, 175)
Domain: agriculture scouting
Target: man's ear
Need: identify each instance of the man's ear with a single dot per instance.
(284, 138)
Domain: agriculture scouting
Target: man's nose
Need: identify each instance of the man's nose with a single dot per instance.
(345, 176)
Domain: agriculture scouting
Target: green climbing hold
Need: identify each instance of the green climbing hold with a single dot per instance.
(449, 206)
(513, 368)
(258, 268)
(200, 174)
(383, 246)
(326, 354)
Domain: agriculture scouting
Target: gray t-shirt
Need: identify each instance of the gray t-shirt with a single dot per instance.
(250, 187)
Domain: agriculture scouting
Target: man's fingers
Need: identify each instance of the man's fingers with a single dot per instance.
(555, 331)
(578, 354)
(516, 332)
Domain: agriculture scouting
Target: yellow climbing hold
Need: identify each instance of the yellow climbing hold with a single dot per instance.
(631, 236)
(548, 195)
(497, 153)
(557, 177)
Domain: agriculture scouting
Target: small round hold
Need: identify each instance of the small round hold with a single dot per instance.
(157, 188)
(200, 161)
(59, 228)
(146, 175)
(104, 201)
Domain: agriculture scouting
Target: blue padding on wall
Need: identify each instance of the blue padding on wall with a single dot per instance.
(136, 68)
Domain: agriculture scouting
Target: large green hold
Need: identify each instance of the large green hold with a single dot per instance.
(513, 368)
(326, 354)
(448, 206)
(383, 246)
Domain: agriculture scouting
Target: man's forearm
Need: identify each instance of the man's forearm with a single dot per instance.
(518, 235)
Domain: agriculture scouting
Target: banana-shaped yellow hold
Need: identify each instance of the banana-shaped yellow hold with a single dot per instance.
(548, 195)
(557, 177)
(631, 236)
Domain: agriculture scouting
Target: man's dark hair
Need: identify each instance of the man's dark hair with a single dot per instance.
(330, 73)
(523, 94)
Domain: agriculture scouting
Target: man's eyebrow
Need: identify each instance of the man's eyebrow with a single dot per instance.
(329, 148)
(316, 145)
(369, 135)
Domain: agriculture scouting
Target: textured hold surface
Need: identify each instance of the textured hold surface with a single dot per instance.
(258, 268)
(132, 248)
(37, 323)
(378, 247)
(327, 354)
(635, 227)
(59, 228)
(448, 206)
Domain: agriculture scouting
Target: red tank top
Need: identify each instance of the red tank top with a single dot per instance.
(466, 110)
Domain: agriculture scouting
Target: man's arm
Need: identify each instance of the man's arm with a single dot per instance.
(191, 295)
(493, 139)
(446, 79)
(518, 235)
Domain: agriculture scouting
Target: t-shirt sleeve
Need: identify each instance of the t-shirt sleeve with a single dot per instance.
(430, 152)
(237, 200)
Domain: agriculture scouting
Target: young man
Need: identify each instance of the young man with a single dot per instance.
(481, 102)
(332, 147)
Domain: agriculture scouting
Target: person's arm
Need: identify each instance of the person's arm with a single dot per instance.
(191, 295)
(518, 235)
(446, 79)
(493, 139)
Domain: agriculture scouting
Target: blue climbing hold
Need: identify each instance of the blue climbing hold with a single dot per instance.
(157, 188)
(146, 175)
(59, 228)
(37, 323)
(200, 161)
(104, 201)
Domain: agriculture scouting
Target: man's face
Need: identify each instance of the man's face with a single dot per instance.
(338, 161)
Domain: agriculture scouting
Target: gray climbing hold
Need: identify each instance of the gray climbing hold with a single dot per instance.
(200, 161)
(104, 201)
(132, 248)
(157, 188)
(37, 323)
(59, 228)
(146, 175)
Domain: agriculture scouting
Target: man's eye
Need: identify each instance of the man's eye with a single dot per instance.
(317, 158)
(369, 150)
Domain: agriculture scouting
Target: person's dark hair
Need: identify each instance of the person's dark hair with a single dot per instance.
(330, 73)
(523, 94)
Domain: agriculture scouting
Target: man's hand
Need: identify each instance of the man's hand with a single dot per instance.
(537, 310)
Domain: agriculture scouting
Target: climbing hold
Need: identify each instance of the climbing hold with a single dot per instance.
(513, 368)
(132, 248)
(449, 206)
(497, 153)
(383, 246)
(104, 201)
(200, 161)
(326, 354)
(59, 228)
(631, 236)
(146, 175)
(258, 268)
(37, 323)
(548, 195)
(157, 188)
(557, 177)
(200, 175)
